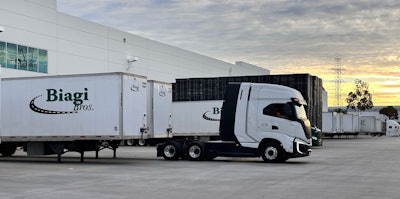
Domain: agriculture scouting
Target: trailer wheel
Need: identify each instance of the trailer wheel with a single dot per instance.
(172, 150)
(142, 142)
(130, 142)
(195, 151)
(272, 152)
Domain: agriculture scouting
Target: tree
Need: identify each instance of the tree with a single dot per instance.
(361, 98)
(390, 111)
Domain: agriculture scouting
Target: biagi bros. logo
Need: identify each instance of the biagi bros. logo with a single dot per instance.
(213, 115)
(76, 99)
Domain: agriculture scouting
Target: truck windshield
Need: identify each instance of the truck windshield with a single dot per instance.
(300, 111)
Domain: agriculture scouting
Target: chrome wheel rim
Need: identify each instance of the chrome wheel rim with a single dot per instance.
(271, 153)
(194, 151)
(169, 151)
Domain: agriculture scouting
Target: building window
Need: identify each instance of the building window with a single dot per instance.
(33, 59)
(11, 53)
(3, 54)
(22, 61)
(22, 57)
(43, 61)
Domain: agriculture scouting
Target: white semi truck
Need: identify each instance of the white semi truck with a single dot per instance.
(256, 120)
(56, 114)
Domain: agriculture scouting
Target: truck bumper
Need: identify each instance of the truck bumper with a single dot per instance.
(301, 148)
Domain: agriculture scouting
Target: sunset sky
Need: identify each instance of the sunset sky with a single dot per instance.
(284, 36)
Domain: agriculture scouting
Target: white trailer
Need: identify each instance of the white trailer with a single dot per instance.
(356, 123)
(56, 114)
(159, 109)
(180, 120)
(346, 122)
(339, 124)
(196, 118)
(329, 121)
(372, 125)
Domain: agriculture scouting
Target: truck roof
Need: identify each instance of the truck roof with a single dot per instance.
(276, 91)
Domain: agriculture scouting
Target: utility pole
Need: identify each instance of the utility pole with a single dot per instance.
(338, 82)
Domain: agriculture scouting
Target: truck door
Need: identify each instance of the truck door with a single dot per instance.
(273, 118)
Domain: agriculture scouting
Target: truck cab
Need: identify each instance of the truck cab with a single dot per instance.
(264, 120)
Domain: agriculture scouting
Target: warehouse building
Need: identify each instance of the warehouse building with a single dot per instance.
(36, 40)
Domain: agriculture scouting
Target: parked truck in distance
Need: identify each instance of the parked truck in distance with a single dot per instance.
(256, 120)
(56, 114)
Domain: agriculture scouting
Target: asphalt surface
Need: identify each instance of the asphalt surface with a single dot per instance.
(363, 167)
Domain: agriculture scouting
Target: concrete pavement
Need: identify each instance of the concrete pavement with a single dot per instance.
(363, 167)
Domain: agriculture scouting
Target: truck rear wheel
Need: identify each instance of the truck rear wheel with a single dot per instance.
(272, 152)
(7, 150)
(172, 150)
(195, 151)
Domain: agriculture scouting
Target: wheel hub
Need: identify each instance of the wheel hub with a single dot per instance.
(194, 151)
(271, 153)
(169, 151)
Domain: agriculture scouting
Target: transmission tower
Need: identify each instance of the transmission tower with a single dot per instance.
(338, 81)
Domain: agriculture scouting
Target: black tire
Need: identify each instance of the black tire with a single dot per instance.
(7, 150)
(195, 151)
(272, 153)
(130, 142)
(172, 150)
(142, 142)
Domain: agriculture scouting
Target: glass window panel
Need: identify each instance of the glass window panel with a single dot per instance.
(3, 60)
(43, 61)
(22, 63)
(11, 55)
(33, 59)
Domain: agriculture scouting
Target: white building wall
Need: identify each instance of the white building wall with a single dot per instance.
(77, 46)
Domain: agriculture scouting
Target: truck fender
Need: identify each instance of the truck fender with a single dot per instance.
(285, 140)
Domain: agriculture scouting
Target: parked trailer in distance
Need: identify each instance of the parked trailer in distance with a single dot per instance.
(331, 124)
(338, 124)
(372, 126)
(56, 114)
(349, 124)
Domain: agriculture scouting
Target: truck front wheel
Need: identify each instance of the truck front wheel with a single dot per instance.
(195, 151)
(272, 152)
(172, 150)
